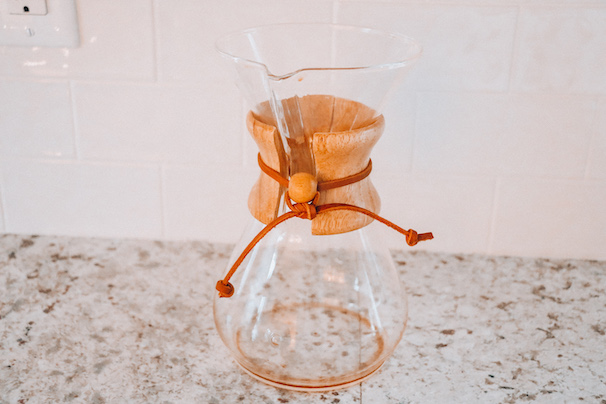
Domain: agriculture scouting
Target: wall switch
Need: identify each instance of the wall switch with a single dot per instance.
(50, 23)
(27, 7)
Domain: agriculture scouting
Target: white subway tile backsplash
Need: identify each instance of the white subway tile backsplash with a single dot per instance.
(206, 202)
(561, 49)
(597, 156)
(148, 122)
(116, 42)
(188, 31)
(456, 133)
(394, 151)
(496, 141)
(553, 218)
(456, 209)
(74, 198)
(36, 119)
(503, 134)
(465, 47)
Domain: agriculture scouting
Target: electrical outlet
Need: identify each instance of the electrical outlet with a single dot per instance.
(44, 23)
(27, 7)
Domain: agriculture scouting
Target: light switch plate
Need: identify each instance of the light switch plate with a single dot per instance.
(57, 27)
(27, 7)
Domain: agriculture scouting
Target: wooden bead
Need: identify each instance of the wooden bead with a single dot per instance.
(302, 187)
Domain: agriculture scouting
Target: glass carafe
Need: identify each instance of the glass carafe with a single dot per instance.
(313, 300)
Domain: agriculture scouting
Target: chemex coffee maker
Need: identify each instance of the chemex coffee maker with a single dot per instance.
(311, 299)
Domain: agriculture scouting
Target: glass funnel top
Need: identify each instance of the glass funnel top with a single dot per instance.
(284, 50)
(278, 66)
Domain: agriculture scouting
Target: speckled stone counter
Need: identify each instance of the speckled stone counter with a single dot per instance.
(123, 321)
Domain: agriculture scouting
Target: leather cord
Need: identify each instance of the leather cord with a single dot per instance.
(309, 211)
(322, 186)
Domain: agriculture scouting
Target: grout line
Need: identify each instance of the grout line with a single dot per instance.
(196, 165)
(91, 162)
(415, 130)
(75, 126)
(2, 205)
(361, 402)
(514, 49)
(138, 83)
(415, 119)
(489, 249)
(463, 3)
(161, 189)
(243, 111)
(156, 50)
(54, 78)
(464, 91)
(592, 140)
(178, 84)
(336, 6)
(468, 3)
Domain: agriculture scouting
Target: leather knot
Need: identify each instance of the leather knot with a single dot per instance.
(225, 289)
(305, 210)
(412, 238)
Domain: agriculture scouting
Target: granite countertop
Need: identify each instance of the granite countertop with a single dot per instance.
(129, 321)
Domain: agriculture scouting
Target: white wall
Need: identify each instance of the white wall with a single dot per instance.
(497, 142)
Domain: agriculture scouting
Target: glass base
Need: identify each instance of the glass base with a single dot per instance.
(318, 388)
(311, 347)
(313, 313)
